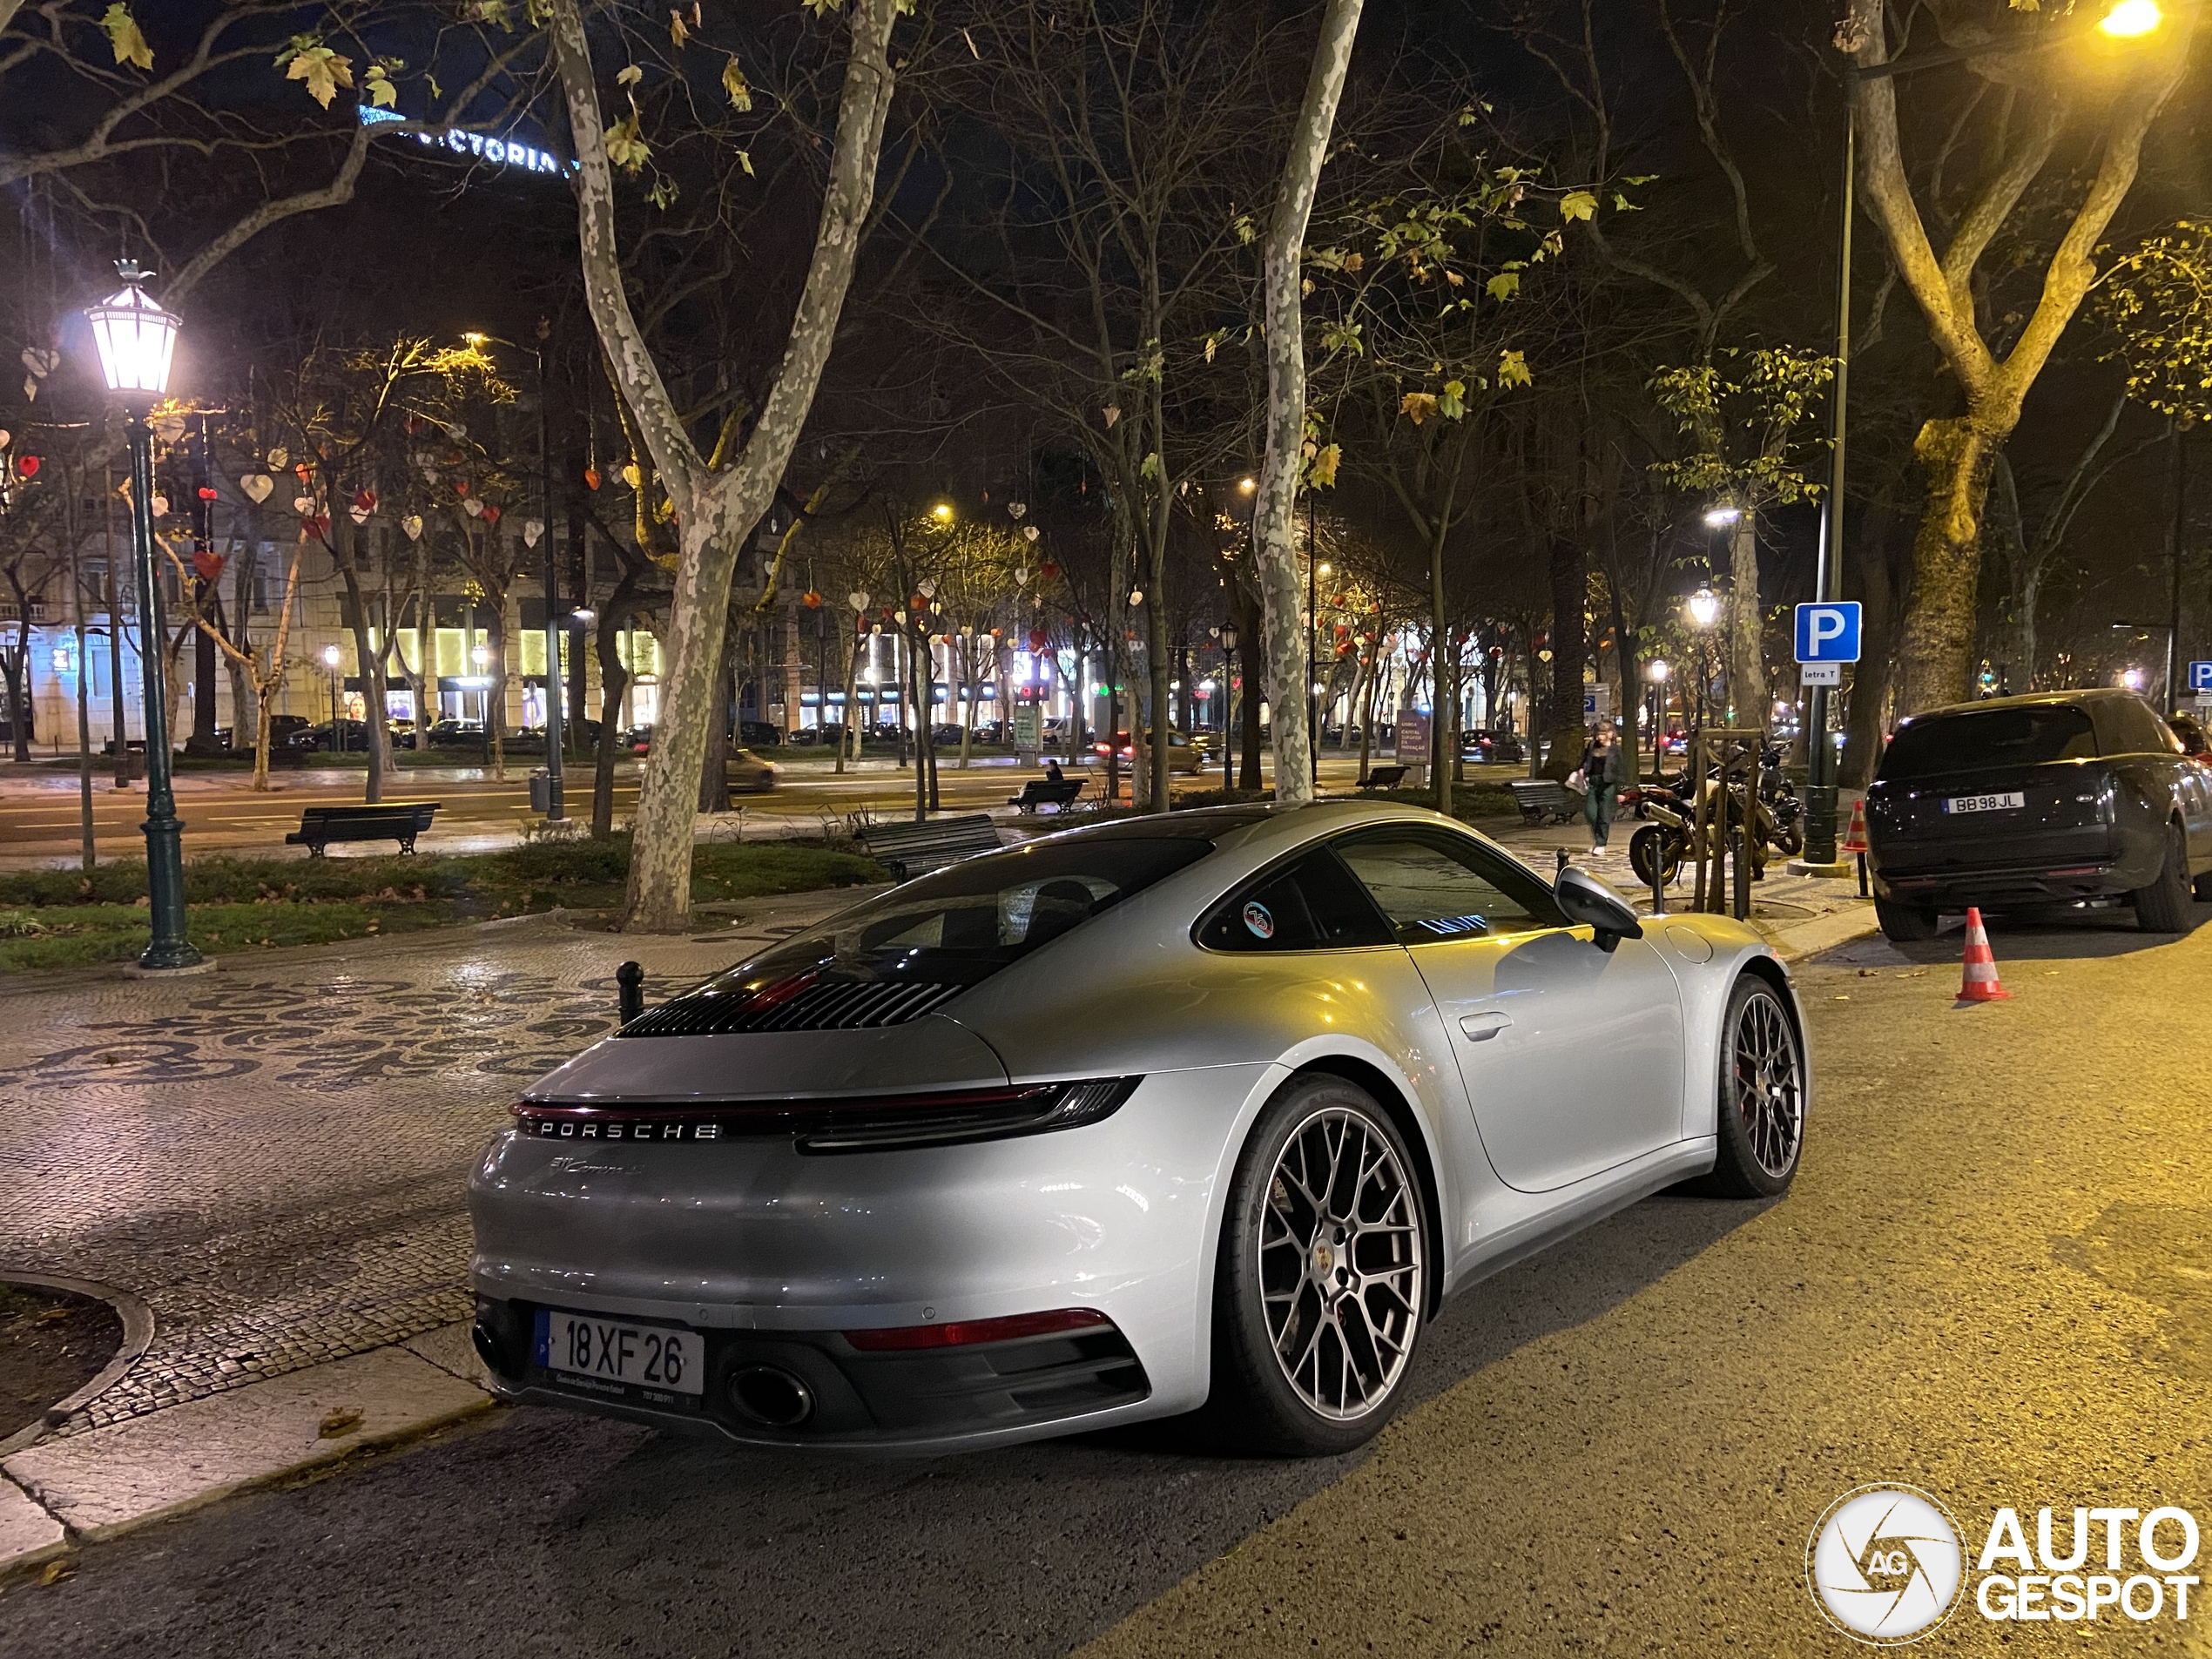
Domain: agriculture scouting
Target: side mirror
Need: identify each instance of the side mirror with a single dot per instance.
(1589, 903)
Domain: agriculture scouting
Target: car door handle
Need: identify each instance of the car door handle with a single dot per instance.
(1481, 1028)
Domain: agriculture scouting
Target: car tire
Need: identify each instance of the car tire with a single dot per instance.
(2203, 886)
(2163, 906)
(1318, 1307)
(1759, 1105)
(1904, 923)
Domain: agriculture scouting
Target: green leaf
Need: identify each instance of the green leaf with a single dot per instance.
(1578, 203)
(628, 75)
(1503, 286)
(1512, 369)
(122, 34)
(1321, 472)
(378, 84)
(1453, 404)
(745, 160)
(1150, 468)
(1623, 204)
(733, 83)
(1246, 231)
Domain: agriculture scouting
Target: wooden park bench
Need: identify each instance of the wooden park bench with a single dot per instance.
(1384, 778)
(1043, 791)
(1543, 800)
(400, 821)
(909, 850)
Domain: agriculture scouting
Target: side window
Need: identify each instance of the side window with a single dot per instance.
(1312, 905)
(1436, 886)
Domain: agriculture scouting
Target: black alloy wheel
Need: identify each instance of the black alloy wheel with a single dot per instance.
(1759, 1120)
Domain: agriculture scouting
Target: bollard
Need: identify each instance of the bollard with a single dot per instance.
(629, 980)
(1560, 853)
(1659, 875)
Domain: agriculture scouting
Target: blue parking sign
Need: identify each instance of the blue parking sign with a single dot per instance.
(1828, 633)
(2200, 678)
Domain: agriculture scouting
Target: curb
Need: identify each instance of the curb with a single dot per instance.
(1805, 939)
(111, 1481)
(138, 1336)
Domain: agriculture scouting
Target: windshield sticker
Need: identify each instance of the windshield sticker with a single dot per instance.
(1257, 921)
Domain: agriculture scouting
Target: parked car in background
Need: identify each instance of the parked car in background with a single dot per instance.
(349, 736)
(457, 732)
(639, 739)
(763, 733)
(1491, 748)
(2057, 797)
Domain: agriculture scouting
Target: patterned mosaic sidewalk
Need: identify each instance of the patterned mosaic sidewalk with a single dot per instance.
(273, 1156)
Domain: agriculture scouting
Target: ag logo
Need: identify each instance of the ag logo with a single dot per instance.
(1885, 1564)
(1257, 921)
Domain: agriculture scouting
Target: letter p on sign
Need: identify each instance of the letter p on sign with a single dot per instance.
(1828, 633)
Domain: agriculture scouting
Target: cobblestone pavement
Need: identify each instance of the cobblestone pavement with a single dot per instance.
(273, 1156)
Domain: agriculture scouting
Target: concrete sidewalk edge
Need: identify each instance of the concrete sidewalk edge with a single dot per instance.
(98, 1485)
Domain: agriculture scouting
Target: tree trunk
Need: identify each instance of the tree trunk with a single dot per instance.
(1956, 456)
(714, 763)
(495, 693)
(848, 733)
(614, 685)
(718, 508)
(1275, 557)
(1569, 573)
(1747, 685)
(1878, 643)
(1444, 691)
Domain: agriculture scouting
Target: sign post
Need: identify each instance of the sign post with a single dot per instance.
(1827, 636)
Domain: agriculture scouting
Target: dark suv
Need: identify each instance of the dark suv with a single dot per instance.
(2029, 800)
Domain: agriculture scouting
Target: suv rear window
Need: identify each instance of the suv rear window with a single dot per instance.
(1990, 738)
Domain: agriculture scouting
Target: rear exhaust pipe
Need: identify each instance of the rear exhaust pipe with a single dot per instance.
(771, 1396)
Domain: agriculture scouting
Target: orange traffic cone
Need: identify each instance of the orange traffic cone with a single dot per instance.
(1980, 983)
(1855, 836)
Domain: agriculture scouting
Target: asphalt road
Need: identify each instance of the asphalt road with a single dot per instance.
(1991, 1281)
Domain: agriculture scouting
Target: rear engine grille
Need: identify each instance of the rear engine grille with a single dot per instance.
(827, 1005)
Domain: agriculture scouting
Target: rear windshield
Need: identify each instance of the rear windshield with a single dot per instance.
(965, 922)
(1988, 739)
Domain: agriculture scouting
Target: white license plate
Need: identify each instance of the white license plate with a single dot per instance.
(2012, 802)
(615, 1356)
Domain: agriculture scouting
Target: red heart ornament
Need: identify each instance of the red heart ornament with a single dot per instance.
(461, 487)
(206, 565)
(207, 493)
(27, 465)
(1037, 638)
(491, 515)
(591, 478)
(366, 500)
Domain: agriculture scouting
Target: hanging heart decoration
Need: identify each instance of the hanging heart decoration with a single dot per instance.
(303, 471)
(41, 363)
(1021, 578)
(532, 529)
(858, 599)
(207, 492)
(279, 459)
(1136, 596)
(1017, 508)
(811, 599)
(591, 478)
(491, 515)
(27, 465)
(319, 524)
(631, 476)
(472, 507)
(413, 525)
(1048, 569)
(366, 500)
(303, 505)
(6, 437)
(206, 566)
(456, 431)
(461, 485)
(1037, 638)
(928, 589)
(257, 486)
(161, 506)
(1029, 532)
(997, 633)
(168, 428)
(358, 513)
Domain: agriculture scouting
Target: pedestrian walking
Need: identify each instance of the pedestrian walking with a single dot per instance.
(1604, 770)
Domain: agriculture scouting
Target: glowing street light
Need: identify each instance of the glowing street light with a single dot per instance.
(942, 512)
(2131, 19)
(1248, 485)
(137, 340)
(1721, 517)
(1704, 606)
(1659, 671)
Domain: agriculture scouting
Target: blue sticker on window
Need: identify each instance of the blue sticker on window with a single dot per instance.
(1257, 921)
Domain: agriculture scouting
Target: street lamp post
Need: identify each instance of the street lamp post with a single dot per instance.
(137, 340)
(2123, 20)
(330, 666)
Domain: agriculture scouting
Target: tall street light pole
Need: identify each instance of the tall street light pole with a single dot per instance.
(2123, 20)
(137, 340)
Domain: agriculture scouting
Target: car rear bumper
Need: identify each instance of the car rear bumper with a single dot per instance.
(772, 1254)
(1994, 888)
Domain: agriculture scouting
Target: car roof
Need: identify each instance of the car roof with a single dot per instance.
(2080, 699)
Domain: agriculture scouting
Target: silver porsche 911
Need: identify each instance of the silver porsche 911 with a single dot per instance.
(1207, 1111)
